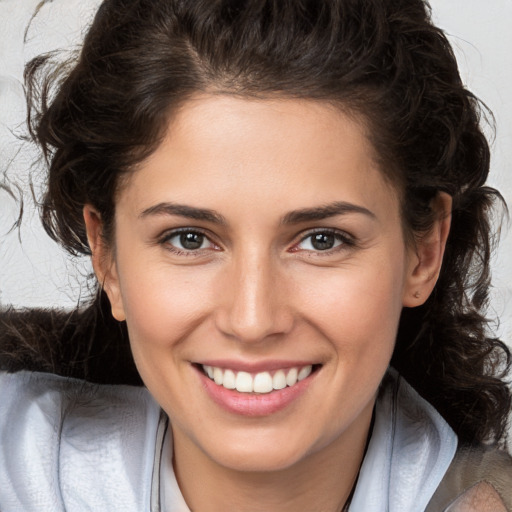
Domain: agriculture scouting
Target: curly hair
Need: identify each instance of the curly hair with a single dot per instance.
(381, 60)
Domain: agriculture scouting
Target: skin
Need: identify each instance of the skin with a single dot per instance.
(480, 498)
(258, 290)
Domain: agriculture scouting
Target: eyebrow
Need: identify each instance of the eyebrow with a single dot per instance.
(293, 217)
(324, 212)
(182, 210)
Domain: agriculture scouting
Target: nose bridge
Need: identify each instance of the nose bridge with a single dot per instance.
(254, 308)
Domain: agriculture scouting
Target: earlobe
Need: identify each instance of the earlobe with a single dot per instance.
(102, 261)
(428, 254)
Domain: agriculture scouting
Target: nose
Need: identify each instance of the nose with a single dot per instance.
(254, 301)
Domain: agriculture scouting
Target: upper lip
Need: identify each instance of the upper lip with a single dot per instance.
(255, 366)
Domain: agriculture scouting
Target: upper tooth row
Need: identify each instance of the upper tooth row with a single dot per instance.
(261, 382)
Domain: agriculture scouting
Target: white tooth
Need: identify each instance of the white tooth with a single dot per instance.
(243, 382)
(304, 372)
(291, 377)
(209, 371)
(262, 383)
(229, 379)
(218, 375)
(279, 380)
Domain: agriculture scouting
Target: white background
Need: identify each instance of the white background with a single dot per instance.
(36, 272)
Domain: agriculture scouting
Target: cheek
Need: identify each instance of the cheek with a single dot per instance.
(162, 303)
(357, 307)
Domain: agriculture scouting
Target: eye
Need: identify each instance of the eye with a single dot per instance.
(323, 241)
(187, 240)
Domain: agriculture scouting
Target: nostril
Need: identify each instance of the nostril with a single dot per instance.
(255, 325)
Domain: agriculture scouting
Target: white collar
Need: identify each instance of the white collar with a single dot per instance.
(408, 454)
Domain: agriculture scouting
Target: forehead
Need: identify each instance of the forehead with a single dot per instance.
(222, 150)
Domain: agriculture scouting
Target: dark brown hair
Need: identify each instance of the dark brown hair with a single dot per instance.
(382, 60)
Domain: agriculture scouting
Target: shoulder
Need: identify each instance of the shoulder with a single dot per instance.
(482, 497)
(63, 439)
(52, 399)
(478, 480)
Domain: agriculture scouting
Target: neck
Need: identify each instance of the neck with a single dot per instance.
(322, 481)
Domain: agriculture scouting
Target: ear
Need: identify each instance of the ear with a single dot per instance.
(426, 257)
(103, 261)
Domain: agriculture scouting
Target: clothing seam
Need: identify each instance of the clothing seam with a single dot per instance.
(155, 494)
(394, 416)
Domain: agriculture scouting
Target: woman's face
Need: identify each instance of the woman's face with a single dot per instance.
(261, 243)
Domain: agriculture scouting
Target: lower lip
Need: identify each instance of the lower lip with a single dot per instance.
(253, 404)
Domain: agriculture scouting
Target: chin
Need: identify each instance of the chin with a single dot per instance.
(258, 460)
(261, 450)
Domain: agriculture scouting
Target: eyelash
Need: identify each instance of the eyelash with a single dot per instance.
(165, 241)
(344, 241)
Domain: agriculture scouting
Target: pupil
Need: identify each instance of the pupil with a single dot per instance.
(191, 240)
(323, 241)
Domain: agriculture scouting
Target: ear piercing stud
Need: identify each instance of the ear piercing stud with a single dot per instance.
(417, 295)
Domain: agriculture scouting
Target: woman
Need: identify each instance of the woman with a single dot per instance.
(281, 200)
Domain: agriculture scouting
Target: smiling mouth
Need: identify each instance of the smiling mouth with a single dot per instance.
(261, 382)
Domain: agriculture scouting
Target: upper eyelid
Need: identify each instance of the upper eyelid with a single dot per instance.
(295, 240)
(169, 233)
(166, 235)
(342, 233)
(196, 254)
(348, 242)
